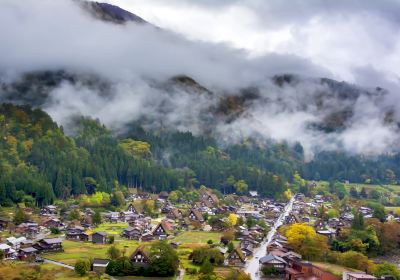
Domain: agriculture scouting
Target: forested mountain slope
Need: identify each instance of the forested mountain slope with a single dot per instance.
(38, 159)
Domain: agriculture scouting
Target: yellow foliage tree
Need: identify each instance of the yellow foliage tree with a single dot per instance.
(288, 194)
(136, 148)
(304, 240)
(232, 219)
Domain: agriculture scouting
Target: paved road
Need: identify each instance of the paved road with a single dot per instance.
(252, 266)
(58, 263)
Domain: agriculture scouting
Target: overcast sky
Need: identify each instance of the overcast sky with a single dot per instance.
(224, 45)
(357, 40)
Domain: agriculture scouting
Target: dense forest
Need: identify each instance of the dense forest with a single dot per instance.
(38, 161)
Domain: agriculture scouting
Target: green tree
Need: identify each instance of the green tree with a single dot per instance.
(386, 269)
(241, 186)
(164, 260)
(358, 221)
(82, 267)
(113, 252)
(97, 217)
(19, 216)
(231, 247)
(74, 215)
(206, 267)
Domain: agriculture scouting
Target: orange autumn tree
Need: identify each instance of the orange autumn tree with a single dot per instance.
(304, 240)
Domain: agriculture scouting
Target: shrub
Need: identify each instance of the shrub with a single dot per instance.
(82, 267)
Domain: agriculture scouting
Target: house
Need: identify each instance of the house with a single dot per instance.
(247, 250)
(253, 193)
(15, 242)
(48, 210)
(273, 261)
(28, 229)
(112, 217)
(4, 223)
(328, 233)
(99, 265)
(195, 215)
(26, 243)
(53, 223)
(291, 257)
(8, 251)
(236, 258)
(163, 195)
(292, 219)
(210, 197)
(132, 233)
(357, 276)
(26, 253)
(49, 245)
(99, 237)
(133, 209)
(160, 232)
(306, 270)
(175, 214)
(276, 246)
(76, 234)
(128, 216)
(140, 258)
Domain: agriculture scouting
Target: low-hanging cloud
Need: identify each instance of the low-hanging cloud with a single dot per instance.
(136, 61)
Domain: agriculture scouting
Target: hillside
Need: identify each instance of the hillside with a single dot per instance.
(38, 159)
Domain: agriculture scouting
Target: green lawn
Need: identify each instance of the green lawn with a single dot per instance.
(189, 237)
(85, 250)
(110, 228)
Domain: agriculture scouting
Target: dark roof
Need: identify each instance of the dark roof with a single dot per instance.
(270, 257)
(52, 240)
(142, 249)
(239, 252)
(101, 261)
(101, 233)
(28, 250)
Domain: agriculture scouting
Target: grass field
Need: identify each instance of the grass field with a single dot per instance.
(85, 250)
(189, 237)
(110, 228)
(21, 270)
(333, 268)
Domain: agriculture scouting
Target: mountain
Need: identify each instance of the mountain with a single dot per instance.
(334, 102)
(67, 132)
(111, 13)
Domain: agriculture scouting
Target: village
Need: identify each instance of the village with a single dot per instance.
(247, 234)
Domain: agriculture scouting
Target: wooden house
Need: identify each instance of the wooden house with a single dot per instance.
(236, 258)
(76, 234)
(132, 233)
(140, 258)
(49, 245)
(273, 261)
(99, 265)
(195, 215)
(175, 214)
(99, 237)
(160, 231)
(48, 210)
(4, 223)
(133, 209)
(26, 253)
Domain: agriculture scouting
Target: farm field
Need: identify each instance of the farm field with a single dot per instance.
(84, 250)
(189, 237)
(110, 228)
